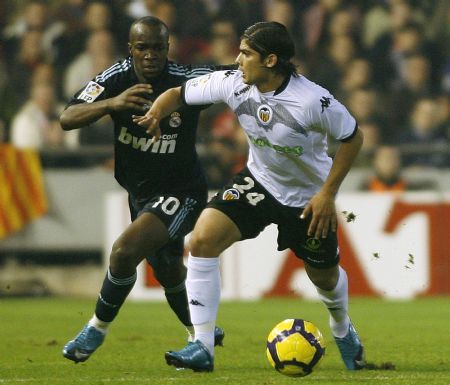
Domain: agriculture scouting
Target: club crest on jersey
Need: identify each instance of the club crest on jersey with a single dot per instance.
(200, 80)
(265, 114)
(91, 92)
(230, 194)
(175, 119)
(315, 245)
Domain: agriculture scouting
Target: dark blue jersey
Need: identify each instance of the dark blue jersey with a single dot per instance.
(142, 168)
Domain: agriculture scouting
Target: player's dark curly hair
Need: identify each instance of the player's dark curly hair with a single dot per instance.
(270, 37)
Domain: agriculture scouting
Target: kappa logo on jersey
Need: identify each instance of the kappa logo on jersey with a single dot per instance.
(265, 114)
(175, 119)
(242, 91)
(230, 195)
(229, 73)
(91, 92)
(165, 145)
(325, 102)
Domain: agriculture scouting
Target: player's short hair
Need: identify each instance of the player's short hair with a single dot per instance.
(150, 21)
(271, 37)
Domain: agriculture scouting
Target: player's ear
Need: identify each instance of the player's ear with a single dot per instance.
(129, 48)
(271, 60)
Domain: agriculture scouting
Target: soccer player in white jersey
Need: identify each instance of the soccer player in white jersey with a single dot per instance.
(289, 180)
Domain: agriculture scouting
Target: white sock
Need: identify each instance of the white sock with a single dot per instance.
(336, 301)
(99, 324)
(203, 290)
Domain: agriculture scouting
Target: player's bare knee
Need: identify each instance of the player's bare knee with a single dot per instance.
(203, 245)
(123, 257)
(325, 279)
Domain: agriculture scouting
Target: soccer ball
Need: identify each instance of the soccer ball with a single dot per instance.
(294, 347)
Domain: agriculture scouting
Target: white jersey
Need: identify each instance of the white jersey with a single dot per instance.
(286, 129)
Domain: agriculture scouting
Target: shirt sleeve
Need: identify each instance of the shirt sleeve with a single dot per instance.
(211, 88)
(94, 91)
(330, 115)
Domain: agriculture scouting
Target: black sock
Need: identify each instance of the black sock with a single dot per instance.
(112, 295)
(177, 299)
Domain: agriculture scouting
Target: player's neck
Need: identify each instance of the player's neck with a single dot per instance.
(271, 83)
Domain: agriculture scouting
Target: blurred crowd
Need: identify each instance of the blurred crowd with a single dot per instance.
(388, 61)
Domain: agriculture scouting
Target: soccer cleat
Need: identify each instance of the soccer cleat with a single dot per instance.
(219, 335)
(84, 344)
(352, 351)
(193, 356)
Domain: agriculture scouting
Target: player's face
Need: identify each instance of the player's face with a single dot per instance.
(251, 64)
(148, 46)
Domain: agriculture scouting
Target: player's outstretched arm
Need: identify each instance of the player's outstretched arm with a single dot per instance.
(164, 104)
(322, 205)
(83, 114)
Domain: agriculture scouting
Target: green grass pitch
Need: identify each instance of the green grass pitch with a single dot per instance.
(413, 335)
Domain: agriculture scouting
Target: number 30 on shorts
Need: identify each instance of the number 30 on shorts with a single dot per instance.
(252, 197)
(168, 205)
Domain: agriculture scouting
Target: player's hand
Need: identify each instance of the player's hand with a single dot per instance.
(150, 121)
(133, 98)
(323, 211)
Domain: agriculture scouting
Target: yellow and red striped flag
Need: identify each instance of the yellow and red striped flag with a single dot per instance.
(22, 193)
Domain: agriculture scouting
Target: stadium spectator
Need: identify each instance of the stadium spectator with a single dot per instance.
(224, 42)
(289, 180)
(21, 67)
(357, 75)
(372, 140)
(387, 171)
(365, 105)
(36, 15)
(282, 11)
(413, 83)
(95, 15)
(425, 141)
(164, 179)
(388, 175)
(400, 14)
(99, 53)
(315, 20)
(340, 51)
(36, 124)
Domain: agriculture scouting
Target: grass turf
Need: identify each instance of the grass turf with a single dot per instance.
(412, 335)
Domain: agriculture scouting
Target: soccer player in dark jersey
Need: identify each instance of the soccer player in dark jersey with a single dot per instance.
(165, 182)
(289, 181)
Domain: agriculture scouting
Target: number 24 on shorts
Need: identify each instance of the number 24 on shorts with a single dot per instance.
(252, 197)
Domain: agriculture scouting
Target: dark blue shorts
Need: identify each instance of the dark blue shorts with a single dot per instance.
(178, 211)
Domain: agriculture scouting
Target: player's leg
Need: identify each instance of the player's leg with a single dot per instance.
(170, 271)
(235, 213)
(143, 236)
(213, 233)
(321, 258)
(332, 287)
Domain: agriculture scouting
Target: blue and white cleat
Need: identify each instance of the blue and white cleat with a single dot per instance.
(84, 344)
(219, 335)
(352, 351)
(193, 356)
